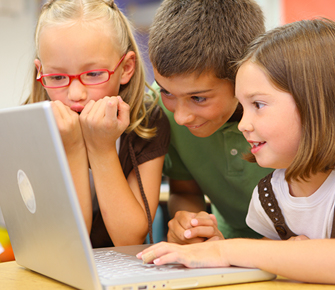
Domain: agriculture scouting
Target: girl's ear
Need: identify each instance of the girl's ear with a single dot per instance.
(128, 68)
(37, 63)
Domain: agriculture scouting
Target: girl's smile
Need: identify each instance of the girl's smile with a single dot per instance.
(256, 146)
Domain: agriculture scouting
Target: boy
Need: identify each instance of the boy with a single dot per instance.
(192, 45)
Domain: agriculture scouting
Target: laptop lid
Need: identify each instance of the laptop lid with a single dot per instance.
(38, 200)
(44, 220)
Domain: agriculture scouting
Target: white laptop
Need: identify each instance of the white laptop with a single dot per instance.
(45, 225)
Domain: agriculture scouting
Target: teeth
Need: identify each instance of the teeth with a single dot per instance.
(256, 144)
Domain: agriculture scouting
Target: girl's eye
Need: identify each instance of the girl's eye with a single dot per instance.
(94, 74)
(259, 105)
(57, 77)
(199, 99)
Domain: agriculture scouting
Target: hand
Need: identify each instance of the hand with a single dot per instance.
(188, 228)
(103, 122)
(298, 238)
(192, 256)
(68, 125)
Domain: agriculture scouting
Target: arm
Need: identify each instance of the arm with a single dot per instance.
(119, 198)
(305, 260)
(75, 149)
(191, 224)
(185, 195)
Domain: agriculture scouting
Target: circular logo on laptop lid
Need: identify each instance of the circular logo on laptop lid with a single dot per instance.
(26, 190)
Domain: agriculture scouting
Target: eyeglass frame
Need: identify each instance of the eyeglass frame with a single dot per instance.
(78, 76)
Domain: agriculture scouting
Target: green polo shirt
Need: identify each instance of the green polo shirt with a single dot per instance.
(216, 164)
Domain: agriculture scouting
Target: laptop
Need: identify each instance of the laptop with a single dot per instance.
(45, 225)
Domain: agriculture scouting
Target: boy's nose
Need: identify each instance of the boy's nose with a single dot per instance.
(183, 115)
(77, 91)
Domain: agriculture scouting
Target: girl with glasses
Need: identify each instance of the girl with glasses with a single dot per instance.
(115, 136)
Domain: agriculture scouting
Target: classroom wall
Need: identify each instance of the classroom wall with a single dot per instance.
(294, 10)
(17, 22)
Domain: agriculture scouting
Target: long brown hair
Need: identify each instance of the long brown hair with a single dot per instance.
(299, 58)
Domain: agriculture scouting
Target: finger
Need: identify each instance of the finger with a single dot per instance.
(111, 109)
(88, 107)
(206, 232)
(92, 113)
(175, 233)
(183, 218)
(123, 111)
(213, 218)
(148, 257)
(58, 109)
(156, 252)
(98, 109)
(149, 249)
(202, 222)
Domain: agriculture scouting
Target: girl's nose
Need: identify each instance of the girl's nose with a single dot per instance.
(245, 125)
(77, 91)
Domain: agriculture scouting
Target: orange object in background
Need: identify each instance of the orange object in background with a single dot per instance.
(8, 254)
(306, 9)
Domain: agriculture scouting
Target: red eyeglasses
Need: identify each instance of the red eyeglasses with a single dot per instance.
(87, 78)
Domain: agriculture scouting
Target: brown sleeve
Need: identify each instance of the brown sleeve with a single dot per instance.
(146, 149)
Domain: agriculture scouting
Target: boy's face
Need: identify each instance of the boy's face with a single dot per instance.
(201, 103)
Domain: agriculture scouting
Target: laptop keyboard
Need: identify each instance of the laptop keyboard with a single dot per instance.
(111, 264)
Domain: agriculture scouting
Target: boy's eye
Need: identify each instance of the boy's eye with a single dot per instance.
(199, 99)
(164, 92)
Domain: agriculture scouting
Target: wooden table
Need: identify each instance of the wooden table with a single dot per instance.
(13, 276)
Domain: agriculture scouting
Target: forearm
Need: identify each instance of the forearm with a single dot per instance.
(124, 216)
(308, 260)
(186, 196)
(78, 163)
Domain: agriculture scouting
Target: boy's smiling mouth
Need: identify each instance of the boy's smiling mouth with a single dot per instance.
(195, 126)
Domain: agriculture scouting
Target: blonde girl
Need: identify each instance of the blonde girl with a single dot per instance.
(115, 137)
(285, 84)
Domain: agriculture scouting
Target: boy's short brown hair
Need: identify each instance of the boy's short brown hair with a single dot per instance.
(190, 36)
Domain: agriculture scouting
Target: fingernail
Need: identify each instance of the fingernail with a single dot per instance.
(194, 222)
(156, 261)
(187, 234)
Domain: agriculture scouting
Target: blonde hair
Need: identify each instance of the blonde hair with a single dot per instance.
(299, 58)
(68, 12)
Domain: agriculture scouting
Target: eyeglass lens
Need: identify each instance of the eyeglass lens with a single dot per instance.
(89, 78)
